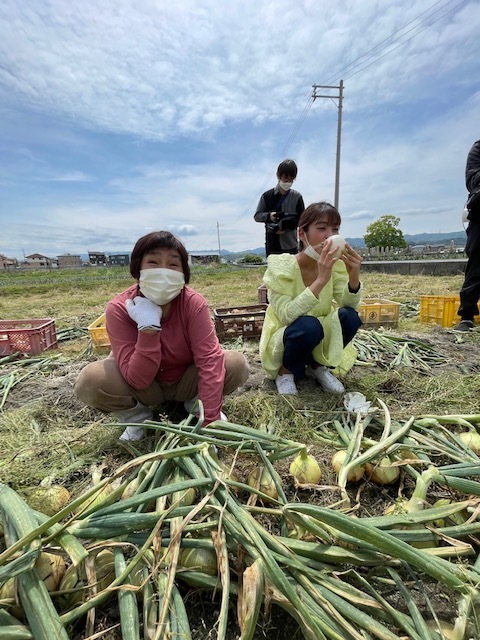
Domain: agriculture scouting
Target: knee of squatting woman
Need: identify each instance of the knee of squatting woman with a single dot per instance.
(164, 345)
(304, 334)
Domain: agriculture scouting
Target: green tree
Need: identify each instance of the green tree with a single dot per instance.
(251, 258)
(384, 232)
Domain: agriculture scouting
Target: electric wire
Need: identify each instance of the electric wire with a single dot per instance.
(377, 54)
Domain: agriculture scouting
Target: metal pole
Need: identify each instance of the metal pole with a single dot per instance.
(219, 251)
(339, 97)
(339, 136)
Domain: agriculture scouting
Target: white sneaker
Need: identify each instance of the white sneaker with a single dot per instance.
(189, 404)
(326, 379)
(132, 433)
(286, 385)
(139, 413)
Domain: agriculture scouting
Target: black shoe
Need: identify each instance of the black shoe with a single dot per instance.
(464, 325)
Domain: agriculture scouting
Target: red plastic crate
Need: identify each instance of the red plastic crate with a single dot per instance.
(27, 336)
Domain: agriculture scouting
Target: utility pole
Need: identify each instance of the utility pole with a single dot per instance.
(219, 250)
(338, 97)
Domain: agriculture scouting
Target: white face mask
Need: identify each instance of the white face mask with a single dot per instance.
(310, 251)
(161, 285)
(286, 186)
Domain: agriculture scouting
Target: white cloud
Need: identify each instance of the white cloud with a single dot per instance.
(159, 70)
(125, 117)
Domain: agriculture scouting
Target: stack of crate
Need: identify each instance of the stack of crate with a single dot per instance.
(442, 310)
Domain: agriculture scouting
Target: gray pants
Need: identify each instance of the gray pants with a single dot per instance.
(100, 385)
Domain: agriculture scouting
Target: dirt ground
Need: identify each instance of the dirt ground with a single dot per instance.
(459, 352)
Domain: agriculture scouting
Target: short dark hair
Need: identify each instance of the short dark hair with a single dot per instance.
(287, 168)
(319, 211)
(156, 240)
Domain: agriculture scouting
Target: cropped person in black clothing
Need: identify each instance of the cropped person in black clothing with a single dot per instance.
(470, 291)
(280, 209)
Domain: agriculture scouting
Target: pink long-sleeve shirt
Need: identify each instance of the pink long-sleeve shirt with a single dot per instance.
(187, 337)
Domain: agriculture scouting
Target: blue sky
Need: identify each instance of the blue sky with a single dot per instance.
(120, 117)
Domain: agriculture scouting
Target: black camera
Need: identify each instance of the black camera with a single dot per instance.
(287, 221)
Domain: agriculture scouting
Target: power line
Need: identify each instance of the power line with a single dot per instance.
(346, 72)
(400, 44)
(349, 67)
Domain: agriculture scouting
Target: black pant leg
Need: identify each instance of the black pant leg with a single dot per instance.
(470, 291)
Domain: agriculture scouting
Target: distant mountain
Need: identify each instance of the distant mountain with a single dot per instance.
(458, 238)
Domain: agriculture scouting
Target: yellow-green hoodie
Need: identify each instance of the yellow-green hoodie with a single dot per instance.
(289, 299)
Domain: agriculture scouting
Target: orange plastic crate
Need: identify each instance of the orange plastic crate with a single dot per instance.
(245, 322)
(30, 336)
(442, 310)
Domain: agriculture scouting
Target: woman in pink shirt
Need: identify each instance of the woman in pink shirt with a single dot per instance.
(164, 345)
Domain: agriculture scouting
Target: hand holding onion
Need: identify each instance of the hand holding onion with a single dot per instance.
(353, 262)
(337, 245)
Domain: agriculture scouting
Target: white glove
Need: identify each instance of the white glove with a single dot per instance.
(144, 312)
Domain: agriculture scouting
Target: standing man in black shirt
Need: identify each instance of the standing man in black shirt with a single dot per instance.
(470, 291)
(280, 209)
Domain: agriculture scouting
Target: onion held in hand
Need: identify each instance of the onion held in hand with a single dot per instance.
(337, 244)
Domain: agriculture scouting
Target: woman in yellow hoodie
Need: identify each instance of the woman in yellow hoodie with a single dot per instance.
(304, 334)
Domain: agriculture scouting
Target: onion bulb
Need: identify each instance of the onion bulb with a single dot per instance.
(459, 518)
(48, 500)
(182, 498)
(261, 479)
(8, 591)
(51, 569)
(203, 560)
(355, 474)
(447, 630)
(382, 472)
(131, 488)
(304, 468)
(337, 243)
(402, 506)
(407, 454)
(471, 439)
(76, 578)
(100, 498)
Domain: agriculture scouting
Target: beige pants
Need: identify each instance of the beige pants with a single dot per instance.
(101, 386)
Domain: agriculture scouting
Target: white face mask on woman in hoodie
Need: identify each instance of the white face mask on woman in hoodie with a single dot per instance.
(161, 285)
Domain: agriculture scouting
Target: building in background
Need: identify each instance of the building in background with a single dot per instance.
(7, 263)
(119, 260)
(69, 261)
(97, 258)
(39, 261)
